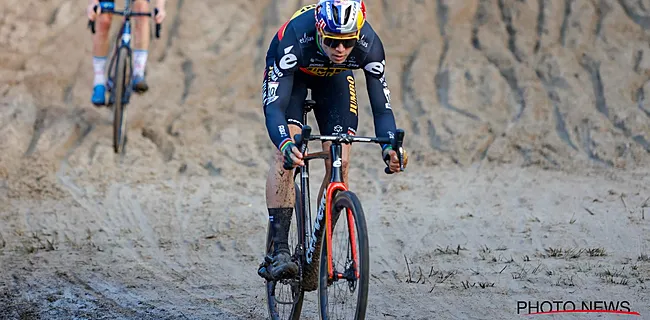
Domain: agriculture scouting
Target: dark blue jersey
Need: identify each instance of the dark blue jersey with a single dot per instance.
(295, 49)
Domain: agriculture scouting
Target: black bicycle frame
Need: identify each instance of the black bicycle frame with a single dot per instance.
(335, 153)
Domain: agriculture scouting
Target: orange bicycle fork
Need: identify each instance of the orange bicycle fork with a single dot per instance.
(336, 185)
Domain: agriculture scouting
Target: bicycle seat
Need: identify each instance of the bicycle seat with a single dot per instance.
(309, 104)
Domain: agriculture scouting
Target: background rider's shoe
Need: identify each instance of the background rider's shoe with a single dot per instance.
(99, 95)
(140, 84)
(282, 267)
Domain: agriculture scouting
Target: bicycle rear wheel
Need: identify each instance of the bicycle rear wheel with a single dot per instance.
(284, 298)
(122, 87)
(346, 295)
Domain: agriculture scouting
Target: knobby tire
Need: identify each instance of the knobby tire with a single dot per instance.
(346, 200)
(122, 76)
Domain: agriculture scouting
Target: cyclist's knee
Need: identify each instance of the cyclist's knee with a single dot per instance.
(141, 5)
(103, 23)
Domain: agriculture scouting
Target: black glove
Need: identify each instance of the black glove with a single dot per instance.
(286, 152)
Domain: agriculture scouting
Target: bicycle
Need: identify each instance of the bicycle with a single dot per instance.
(308, 250)
(120, 77)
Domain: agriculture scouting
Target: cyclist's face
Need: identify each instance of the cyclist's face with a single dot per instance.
(338, 47)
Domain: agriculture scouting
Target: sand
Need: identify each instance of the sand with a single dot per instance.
(529, 173)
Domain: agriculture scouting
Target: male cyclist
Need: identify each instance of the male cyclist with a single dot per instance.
(317, 49)
(101, 45)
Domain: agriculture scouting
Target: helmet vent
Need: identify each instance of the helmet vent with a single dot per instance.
(348, 10)
(335, 13)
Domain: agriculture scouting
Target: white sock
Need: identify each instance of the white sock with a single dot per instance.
(139, 61)
(99, 65)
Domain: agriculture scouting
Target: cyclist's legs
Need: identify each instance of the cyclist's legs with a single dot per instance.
(100, 56)
(141, 41)
(100, 38)
(279, 183)
(336, 112)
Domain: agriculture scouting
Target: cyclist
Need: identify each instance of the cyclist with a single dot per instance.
(101, 45)
(317, 49)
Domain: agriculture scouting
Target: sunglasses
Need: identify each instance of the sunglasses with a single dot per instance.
(334, 42)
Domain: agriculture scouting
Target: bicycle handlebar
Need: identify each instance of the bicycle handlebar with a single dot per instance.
(107, 9)
(302, 138)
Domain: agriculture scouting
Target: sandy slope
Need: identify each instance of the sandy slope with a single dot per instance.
(526, 121)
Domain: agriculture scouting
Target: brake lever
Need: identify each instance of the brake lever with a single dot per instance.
(400, 149)
(302, 138)
(91, 23)
(158, 25)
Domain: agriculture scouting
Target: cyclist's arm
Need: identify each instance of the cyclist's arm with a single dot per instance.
(278, 89)
(378, 92)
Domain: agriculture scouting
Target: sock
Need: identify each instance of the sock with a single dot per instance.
(99, 65)
(280, 219)
(139, 62)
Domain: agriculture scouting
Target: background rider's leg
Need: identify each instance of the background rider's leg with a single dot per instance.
(100, 55)
(141, 45)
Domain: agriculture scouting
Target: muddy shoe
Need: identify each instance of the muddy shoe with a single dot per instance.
(263, 270)
(278, 267)
(283, 267)
(140, 84)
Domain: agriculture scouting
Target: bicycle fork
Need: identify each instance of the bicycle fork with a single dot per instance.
(337, 185)
(123, 42)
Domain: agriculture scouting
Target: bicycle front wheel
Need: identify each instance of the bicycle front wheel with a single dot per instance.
(345, 295)
(122, 86)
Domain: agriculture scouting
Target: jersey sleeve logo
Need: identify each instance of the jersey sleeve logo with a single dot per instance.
(376, 68)
(271, 94)
(288, 60)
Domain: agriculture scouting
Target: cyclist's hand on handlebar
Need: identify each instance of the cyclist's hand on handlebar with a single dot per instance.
(92, 14)
(161, 15)
(292, 156)
(392, 161)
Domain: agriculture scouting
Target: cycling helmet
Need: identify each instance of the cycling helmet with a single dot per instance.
(340, 16)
